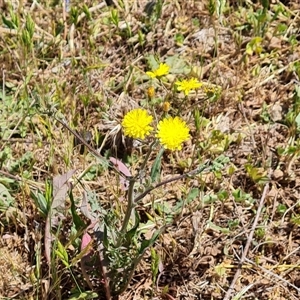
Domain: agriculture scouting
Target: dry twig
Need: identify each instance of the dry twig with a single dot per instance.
(249, 240)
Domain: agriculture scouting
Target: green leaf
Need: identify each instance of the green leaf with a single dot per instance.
(220, 270)
(25, 162)
(41, 203)
(178, 65)
(74, 13)
(148, 243)
(218, 228)
(6, 180)
(87, 12)
(105, 237)
(6, 199)
(84, 296)
(149, 8)
(297, 121)
(131, 233)
(265, 4)
(62, 254)
(254, 46)
(81, 254)
(156, 167)
(152, 62)
(193, 194)
(9, 23)
(79, 224)
(154, 263)
(29, 25)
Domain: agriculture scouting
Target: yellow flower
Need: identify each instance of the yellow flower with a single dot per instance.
(162, 70)
(187, 85)
(151, 92)
(136, 123)
(172, 132)
(166, 106)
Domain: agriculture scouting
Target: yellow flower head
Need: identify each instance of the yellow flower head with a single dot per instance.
(151, 92)
(136, 123)
(166, 106)
(172, 132)
(162, 70)
(187, 85)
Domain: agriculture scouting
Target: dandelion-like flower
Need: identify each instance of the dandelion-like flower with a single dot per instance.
(172, 132)
(136, 123)
(162, 70)
(187, 85)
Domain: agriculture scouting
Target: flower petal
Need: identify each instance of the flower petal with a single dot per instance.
(136, 123)
(172, 132)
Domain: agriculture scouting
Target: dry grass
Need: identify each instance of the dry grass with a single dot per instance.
(237, 233)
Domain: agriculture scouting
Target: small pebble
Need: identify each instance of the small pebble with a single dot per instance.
(277, 174)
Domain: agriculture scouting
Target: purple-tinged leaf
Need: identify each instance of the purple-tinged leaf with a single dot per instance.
(124, 170)
(60, 190)
(85, 207)
(86, 239)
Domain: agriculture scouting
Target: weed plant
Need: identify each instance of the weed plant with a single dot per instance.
(149, 150)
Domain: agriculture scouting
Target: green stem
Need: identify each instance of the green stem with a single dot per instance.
(200, 169)
(147, 156)
(130, 197)
(180, 105)
(130, 207)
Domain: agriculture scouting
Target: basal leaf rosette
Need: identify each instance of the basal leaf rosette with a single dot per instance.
(136, 123)
(172, 132)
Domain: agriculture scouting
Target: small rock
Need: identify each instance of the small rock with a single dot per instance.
(277, 174)
(276, 112)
